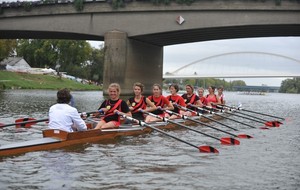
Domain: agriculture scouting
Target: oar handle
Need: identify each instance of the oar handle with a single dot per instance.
(187, 109)
(202, 109)
(154, 115)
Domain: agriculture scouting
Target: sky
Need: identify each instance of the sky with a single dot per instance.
(176, 56)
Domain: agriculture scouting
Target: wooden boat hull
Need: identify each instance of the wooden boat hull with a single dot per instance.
(55, 139)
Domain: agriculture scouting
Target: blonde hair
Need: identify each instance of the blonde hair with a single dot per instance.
(200, 89)
(115, 85)
(154, 85)
(139, 85)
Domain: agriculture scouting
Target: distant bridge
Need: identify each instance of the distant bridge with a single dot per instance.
(239, 65)
(257, 88)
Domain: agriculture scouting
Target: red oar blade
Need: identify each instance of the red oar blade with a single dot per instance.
(208, 149)
(229, 141)
(272, 124)
(244, 136)
(26, 125)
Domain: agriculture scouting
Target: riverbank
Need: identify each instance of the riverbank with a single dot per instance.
(14, 80)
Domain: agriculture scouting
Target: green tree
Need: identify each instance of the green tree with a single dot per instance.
(7, 48)
(72, 55)
(96, 65)
(290, 86)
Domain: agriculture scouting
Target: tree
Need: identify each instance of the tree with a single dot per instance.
(72, 55)
(96, 65)
(7, 48)
(290, 86)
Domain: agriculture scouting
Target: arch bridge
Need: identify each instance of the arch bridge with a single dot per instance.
(246, 64)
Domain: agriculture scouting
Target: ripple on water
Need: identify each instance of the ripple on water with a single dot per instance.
(270, 160)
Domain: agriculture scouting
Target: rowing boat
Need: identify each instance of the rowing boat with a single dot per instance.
(55, 139)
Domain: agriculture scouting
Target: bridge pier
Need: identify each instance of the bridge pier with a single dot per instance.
(127, 61)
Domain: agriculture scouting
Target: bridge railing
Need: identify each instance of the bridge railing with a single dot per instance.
(79, 4)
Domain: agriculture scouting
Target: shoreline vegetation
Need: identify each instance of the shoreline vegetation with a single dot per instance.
(17, 80)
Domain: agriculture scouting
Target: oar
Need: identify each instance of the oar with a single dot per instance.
(242, 136)
(206, 149)
(224, 140)
(27, 122)
(230, 113)
(212, 112)
(268, 123)
(199, 114)
(264, 114)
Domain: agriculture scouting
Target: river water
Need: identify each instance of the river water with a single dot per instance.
(271, 160)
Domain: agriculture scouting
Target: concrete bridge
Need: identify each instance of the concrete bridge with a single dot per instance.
(135, 35)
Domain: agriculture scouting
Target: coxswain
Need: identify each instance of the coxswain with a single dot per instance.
(63, 116)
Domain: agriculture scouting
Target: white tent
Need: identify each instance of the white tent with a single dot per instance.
(15, 64)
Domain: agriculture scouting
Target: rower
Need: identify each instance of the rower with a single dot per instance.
(174, 98)
(160, 102)
(110, 106)
(201, 96)
(212, 97)
(221, 95)
(139, 102)
(63, 116)
(191, 99)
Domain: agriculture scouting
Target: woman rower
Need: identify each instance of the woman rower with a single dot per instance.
(191, 99)
(63, 116)
(139, 102)
(110, 106)
(201, 96)
(221, 95)
(160, 102)
(212, 98)
(174, 98)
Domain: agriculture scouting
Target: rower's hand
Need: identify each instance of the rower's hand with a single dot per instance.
(83, 115)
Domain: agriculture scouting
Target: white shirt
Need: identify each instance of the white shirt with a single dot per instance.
(65, 117)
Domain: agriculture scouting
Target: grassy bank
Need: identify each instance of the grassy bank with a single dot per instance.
(13, 80)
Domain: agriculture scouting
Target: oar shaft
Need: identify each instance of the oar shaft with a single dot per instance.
(242, 109)
(199, 122)
(24, 122)
(181, 125)
(184, 126)
(141, 123)
(235, 114)
(252, 116)
(206, 109)
(37, 120)
(211, 119)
